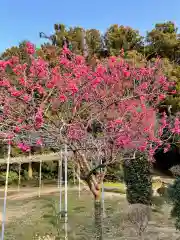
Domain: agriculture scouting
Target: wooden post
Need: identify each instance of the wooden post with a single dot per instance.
(30, 171)
(19, 177)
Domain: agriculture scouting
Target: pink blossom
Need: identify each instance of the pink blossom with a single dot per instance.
(162, 97)
(30, 48)
(39, 118)
(173, 91)
(176, 128)
(26, 98)
(126, 73)
(118, 121)
(79, 59)
(16, 93)
(50, 84)
(100, 70)
(22, 81)
(75, 132)
(166, 150)
(144, 86)
(39, 142)
(62, 98)
(96, 82)
(123, 141)
(142, 148)
(23, 147)
(73, 88)
(113, 59)
(20, 120)
(17, 129)
(162, 80)
(142, 98)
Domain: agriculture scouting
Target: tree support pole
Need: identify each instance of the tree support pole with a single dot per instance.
(5, 191)
(66, 192)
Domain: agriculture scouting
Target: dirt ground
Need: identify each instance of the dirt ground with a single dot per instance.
(25, 209)
(29, 193)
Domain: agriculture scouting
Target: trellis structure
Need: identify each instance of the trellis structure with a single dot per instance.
(35, 158)
(64, 153)
(38, 158)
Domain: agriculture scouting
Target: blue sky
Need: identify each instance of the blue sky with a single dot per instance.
(23, 19)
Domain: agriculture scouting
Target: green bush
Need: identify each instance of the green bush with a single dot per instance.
(115, 173)
(49, 170)
(138, 181)
(71, 172)
(24, 175)
(13, 177)
(174, 196)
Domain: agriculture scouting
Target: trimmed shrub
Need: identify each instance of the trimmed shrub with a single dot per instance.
(174, 197)
(13, 177)
(138, 181)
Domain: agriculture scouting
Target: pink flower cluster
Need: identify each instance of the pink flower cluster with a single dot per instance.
(23, 147)
(30, 48)
(121, 98)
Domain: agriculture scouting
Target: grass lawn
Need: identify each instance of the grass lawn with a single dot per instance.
(121, 188)
(25, 219)
(117, 187)
(114, 184)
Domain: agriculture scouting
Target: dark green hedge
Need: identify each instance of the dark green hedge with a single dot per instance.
(138, 181)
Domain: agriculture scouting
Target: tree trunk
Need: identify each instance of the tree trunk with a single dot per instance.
(94, 182)
(98, 217)
(30, 171)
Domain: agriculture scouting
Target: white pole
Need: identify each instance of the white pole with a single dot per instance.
(79, 178)
(19, 178)
(5, 192)
(66, 188)
(40, 177)
(60, 184)
(103, 207)
(74, 175)
(58, 180)
(102, 195)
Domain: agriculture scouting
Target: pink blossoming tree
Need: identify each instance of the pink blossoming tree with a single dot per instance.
(102, 115)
